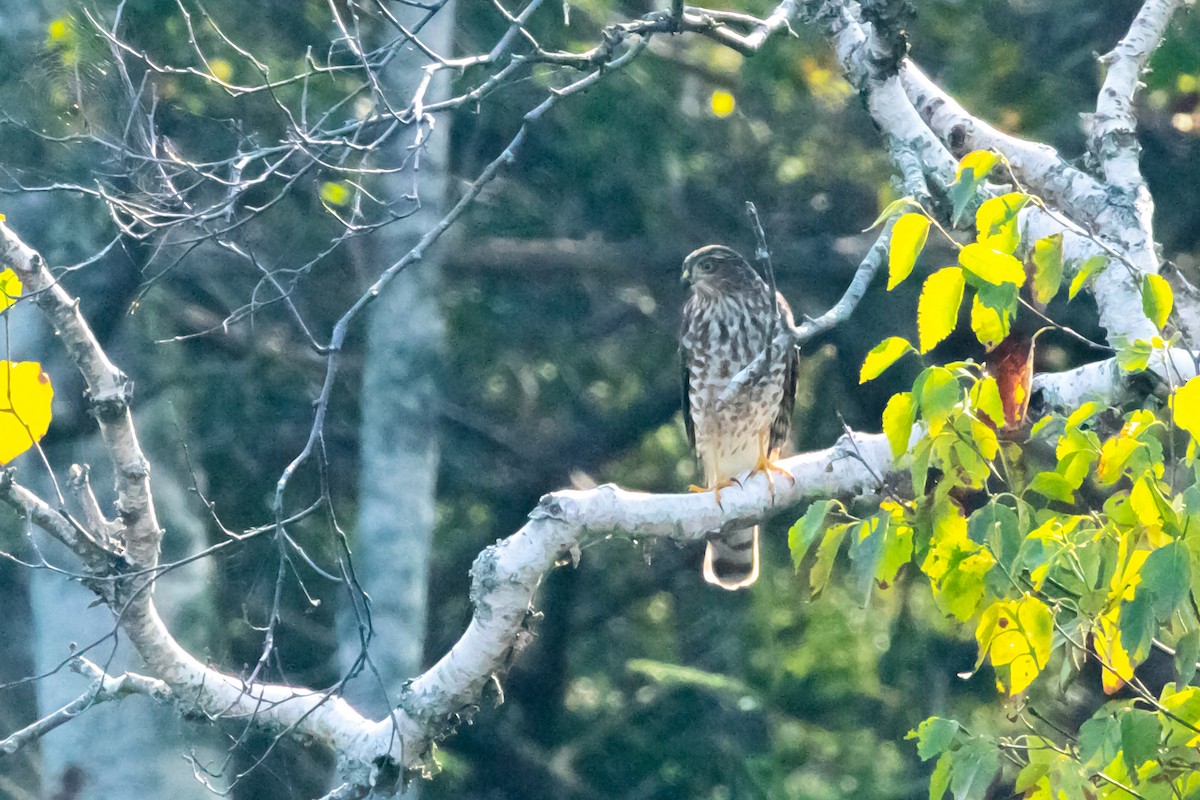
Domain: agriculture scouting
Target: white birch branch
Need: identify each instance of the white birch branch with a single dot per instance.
(104, 687)
(1114, 125)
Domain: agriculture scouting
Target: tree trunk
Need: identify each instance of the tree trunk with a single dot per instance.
(400, 443)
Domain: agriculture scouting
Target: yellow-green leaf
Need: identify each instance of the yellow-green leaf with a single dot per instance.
(909, 235)
(882, 356)
(979, 161)
(1185, 407)
(1017, 636)
(1047, 268)
(985, 398)
(973, 169)
(1157, 299)
(898, 418)
(335, 194)
(892, 208)
(25, 395)
(996, 221)
(990, 265)
(1134, 357)
(990, 326)
(937, 309)
(1087, 269)
(10, 288)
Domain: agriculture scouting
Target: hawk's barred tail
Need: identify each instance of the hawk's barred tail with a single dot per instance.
(731, 561)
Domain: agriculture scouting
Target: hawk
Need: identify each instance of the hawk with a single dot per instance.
(727, 322)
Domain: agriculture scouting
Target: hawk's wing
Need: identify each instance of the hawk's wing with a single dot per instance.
(684, 385)
(782, 423)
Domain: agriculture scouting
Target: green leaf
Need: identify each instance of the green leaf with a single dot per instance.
(1187, 652)
(898, 417)
(991, 265)
(975, 765)
(866, 548)
(897, 551)
(909, 235)
(996, 221)
(1099, 741)
(1134, 357)
(1047, 268)
(882, 356)
(1166, 578)
(939, 781)
(804, 532)
(1053, 486)
(1140, 733)
(937, 308)
(893, 208)
(934, 736)
(973, 170)
(940, 392)
(10, 288)
(1093, 266)
(1157, 299)
(997, 527)
(826, 553)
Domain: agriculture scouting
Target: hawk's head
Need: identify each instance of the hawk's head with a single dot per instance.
(718, 269)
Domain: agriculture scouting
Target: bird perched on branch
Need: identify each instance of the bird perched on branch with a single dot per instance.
(739, 389)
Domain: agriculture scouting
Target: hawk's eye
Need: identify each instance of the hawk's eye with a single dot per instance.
(705, 266)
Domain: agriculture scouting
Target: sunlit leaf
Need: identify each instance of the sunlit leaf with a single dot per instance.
(991, 265)
(721, 103)
(973, 170)
(940, 392)
(1134, 357)
(882, 356)
(909, 235)
(937, 308)
(898, 418)
(989, 325)
(957, 569)
(1047, 268)
(1086, 271)
(10, 288)
(985, 399)
(1016, 635)
(1117, 666)
(334, 194)
(25, 396)
(996, 221)
(1185, 407)
(1157, 299)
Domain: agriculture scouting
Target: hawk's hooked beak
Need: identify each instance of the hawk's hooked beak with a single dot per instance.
(686, 277)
